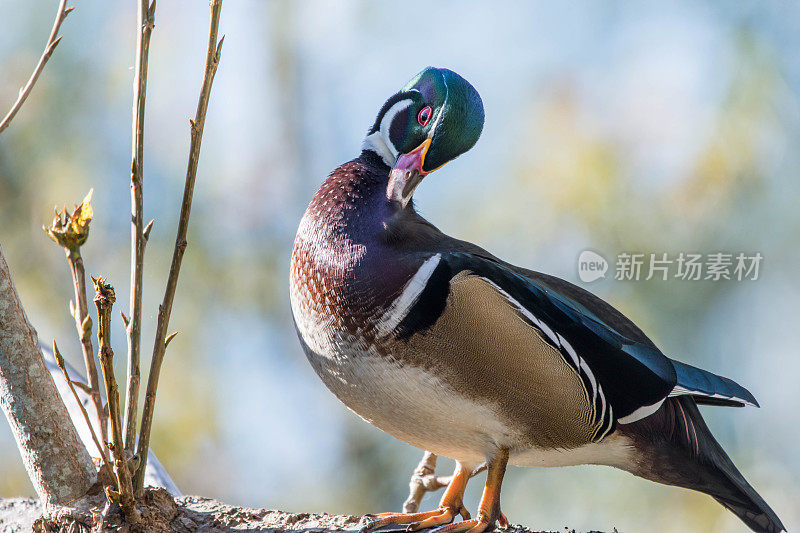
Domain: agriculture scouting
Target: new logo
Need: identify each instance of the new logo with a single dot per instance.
(591, 266)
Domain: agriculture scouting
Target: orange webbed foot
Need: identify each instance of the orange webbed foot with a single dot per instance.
(450, 506)
(415, 521)
(479, 524)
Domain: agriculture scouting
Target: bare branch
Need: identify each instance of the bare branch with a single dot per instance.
(49, 48)
(38, 418)
(70, 230)
(71, 384)
(212, 61)
(145, 20)
(83, 323)
(104, 300)
(424, 479)
(83, 386)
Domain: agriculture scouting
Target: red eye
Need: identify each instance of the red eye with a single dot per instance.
(424, 116)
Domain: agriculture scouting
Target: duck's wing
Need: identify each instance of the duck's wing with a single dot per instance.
(705, 387)
(624, 373)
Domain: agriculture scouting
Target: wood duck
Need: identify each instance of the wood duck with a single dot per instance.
(438, 342)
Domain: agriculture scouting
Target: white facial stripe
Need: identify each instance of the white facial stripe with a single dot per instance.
(400, 307)
(379, 142)
(386, 122)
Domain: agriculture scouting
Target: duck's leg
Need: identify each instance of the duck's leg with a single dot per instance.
(489, 510)
(451, 504)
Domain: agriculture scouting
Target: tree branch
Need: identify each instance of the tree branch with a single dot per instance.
(145, 19)
(424, 480)
(165, 309)
(70, 231)
(49, 48)
(83, 323)
(104, 300)
(71, 384)
(37, 415)
(195, 513)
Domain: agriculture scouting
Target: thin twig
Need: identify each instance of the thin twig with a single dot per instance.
(425, 471)
(52, 42)
(83, 323)
(145, 20)
(104, 300)
(70, 231)
(424, 480)
(83, 386)
(165, 309)
(71, 384)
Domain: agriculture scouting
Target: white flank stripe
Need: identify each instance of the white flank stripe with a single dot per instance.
(640, 413)
(610, 422)
(589, 373)
(540, 324)
(571, 351)
(549, 332)
(560, 341)
(399, 308)
(602, 400)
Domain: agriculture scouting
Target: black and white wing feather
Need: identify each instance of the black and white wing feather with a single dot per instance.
(624, 379)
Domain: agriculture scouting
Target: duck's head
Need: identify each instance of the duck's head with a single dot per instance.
(435, 118)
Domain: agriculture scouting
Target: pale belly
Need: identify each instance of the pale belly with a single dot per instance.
(418, 408)
(422, 410)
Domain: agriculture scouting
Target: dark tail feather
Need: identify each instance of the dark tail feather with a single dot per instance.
(677, 448)
(707, 386)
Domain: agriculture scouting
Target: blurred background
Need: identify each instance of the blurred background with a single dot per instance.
(655, 127)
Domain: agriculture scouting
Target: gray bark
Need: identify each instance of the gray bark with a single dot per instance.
(189, 514)
(57, 462)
